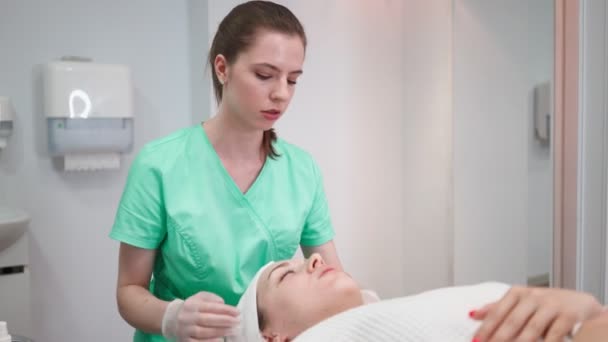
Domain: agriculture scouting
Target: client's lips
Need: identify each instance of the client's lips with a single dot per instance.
(327, 270)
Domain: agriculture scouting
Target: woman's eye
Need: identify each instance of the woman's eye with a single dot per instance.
(285, 275)
(291, 82)
(262, 76)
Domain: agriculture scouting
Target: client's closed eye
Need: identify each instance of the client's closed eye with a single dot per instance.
(285, 275)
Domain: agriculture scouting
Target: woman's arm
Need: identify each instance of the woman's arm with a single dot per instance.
(328, 252)
(140, 308)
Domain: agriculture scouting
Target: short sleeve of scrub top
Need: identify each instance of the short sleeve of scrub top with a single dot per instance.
(317, 229)
(209, 236)
(140, 218)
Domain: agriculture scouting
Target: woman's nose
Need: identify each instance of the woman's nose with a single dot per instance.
(280, 92)
(314, 261)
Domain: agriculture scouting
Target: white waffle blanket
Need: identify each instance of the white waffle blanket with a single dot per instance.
(440, 315)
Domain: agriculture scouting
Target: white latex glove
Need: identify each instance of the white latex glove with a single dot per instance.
(202, 317)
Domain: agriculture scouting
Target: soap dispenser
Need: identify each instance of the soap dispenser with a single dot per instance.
(7, 116)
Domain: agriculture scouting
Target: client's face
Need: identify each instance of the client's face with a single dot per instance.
(297, 294)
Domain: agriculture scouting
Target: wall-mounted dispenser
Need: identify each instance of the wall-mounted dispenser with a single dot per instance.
(89, 110)
(542, 112)
(7, 116)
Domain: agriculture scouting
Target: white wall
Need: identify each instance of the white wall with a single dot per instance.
(427, 142)
(593, 151)
(73, 262)
(200, 78)
(540, 54)
(492, 168)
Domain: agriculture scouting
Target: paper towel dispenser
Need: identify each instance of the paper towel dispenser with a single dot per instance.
(89, 111)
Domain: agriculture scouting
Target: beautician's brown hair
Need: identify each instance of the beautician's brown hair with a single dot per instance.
(237, 32)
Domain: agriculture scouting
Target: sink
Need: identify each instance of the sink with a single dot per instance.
(13, 223)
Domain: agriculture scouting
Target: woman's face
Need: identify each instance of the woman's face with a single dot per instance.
(295, 295)
(259, 85)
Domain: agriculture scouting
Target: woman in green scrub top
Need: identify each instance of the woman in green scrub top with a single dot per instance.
(205, 207)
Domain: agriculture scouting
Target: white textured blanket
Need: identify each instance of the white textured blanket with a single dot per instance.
(434, 316)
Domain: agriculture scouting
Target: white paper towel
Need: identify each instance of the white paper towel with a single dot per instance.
(91, 162)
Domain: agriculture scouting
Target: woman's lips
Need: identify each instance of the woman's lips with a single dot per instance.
(271, 114)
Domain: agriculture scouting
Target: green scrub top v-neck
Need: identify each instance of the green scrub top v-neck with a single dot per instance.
(180, 200)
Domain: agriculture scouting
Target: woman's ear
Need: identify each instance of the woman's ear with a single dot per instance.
(220, 66)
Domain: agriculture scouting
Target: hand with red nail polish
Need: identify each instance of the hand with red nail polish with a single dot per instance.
(527, 314)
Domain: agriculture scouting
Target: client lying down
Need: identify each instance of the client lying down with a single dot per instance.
(307, 300)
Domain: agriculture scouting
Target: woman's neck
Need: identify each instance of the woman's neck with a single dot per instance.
(233, 141)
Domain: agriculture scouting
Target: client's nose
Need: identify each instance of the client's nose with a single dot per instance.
(315, 261)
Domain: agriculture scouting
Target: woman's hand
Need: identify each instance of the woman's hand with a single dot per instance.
(526, 314)
(202, 317)
(593, 330)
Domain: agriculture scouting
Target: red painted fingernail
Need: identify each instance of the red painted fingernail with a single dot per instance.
(476, 340)
(471, 314)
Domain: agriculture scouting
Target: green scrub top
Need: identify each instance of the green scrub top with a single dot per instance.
(180, 200)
